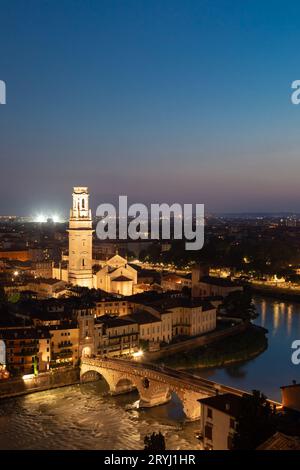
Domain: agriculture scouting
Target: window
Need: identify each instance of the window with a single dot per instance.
(82, 204)
(208, 432)
(209, 413)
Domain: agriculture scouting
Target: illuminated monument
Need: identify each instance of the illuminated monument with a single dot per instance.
(114, 275)
(80, 240)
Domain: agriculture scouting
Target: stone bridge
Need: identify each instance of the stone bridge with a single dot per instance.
(155, 384)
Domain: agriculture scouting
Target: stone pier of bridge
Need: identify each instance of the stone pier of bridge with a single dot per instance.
(154, 385)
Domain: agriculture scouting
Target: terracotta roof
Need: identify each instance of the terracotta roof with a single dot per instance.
(280, 441)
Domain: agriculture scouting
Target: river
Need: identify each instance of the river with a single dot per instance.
(83, 417)
(273, 368)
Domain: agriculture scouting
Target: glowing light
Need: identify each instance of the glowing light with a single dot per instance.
(40, 218)
(139, 353)
(27, 376)
(55, 218)
(16, 273)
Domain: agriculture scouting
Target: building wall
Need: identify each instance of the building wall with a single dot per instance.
(166, 327)
(151, 332)
(20, 255)
(192, 321)
(113, 307)
(291, 396)
(86, 324)
(111, 269)
(64, 345)
(60, 273)
(122, 287)
(221, 429)
(119, 341)
(23, 353)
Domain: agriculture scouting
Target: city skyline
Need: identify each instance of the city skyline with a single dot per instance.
(180, 101)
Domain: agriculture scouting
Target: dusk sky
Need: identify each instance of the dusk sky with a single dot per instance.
(174, 101)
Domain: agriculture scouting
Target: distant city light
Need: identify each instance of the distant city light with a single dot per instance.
(43, 218)
(55, 218)
(16, 273)
(40, 218)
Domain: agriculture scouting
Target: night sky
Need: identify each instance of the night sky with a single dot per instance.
(162, 100)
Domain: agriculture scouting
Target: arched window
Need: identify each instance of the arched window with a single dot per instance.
(82, 203)
(83, 262)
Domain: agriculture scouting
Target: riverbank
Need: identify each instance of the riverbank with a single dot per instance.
(242, 347)
(194, 343)
(44, 381)
(276, 293)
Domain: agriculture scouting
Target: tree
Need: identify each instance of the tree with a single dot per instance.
(239, 304)
(256, 422)
(155, 441)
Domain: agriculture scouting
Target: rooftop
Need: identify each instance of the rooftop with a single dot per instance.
(218, 281)
(113, 321)
(227, 403)
(280, 441)
(24, 333)
(142, 317)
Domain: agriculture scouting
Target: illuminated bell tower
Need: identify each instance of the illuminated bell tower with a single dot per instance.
(80, 239)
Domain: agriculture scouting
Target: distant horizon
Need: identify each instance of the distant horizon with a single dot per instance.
(163, 101)
(207, 214)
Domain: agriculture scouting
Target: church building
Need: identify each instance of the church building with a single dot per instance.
(79, 268)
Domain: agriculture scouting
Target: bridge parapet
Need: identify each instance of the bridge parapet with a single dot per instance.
(155, 384)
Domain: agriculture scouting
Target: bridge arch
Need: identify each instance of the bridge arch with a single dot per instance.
(155, 384)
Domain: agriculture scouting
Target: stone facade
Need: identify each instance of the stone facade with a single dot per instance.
(80, 240)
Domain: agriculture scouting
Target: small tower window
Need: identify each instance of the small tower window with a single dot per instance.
(83, 262)
(82, 204)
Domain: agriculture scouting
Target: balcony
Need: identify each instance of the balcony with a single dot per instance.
(65, 344)
(63, 354)
(27, 352)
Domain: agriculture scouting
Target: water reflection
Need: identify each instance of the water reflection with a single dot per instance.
(273, 368)
(80, 417)
(289, 319)
(263, 312)
(276, 318)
